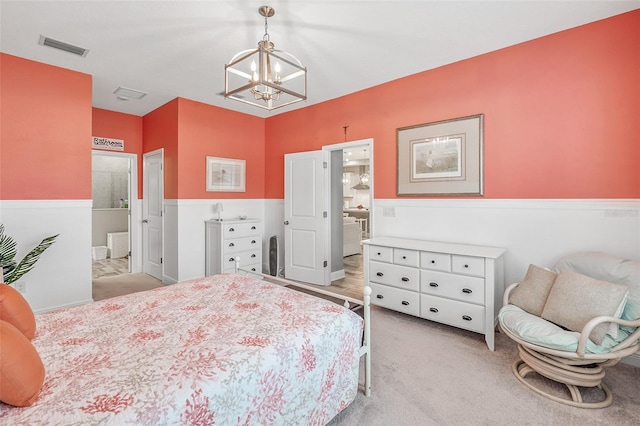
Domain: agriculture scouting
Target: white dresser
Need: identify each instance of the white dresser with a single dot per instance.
(455, 284)
(228, 240)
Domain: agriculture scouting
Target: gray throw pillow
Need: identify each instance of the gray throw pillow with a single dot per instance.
(575, 299)
(531, 294)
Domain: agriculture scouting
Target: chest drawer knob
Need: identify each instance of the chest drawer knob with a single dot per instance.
(231, 229)
(405, 303)
(253, 228)
(231, 244)
(405, 279)
(379, 296)
(467, 290)
(433, 261)
(380, 274)
(253, 241)
(434, 310)
(467, 318)
(404, 257)
(253, 255)
(253, 269)
(466, 266)
(232, 259)
(433, 284)
(379, 254)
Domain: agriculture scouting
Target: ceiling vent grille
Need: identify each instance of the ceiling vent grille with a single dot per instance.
(124, 92)
(56, 44)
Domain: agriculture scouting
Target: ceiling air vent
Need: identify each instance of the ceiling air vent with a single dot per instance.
(56, 44)
(124, 93)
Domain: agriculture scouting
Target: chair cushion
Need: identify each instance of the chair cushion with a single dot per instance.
(531, 294)
(575, 299)
(540, 332)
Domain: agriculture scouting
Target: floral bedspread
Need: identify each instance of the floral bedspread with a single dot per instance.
(225, 349)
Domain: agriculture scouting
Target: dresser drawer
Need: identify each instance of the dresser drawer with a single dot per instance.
(406, 257)
(452, 312)
(459, 287)
(468, 265)
(246, 258)
(398, 276)
(435, 261)
(396, 299)
(382, 254)
(236, 245)
(235, 230)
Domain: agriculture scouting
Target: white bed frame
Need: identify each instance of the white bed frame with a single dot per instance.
(349, 302)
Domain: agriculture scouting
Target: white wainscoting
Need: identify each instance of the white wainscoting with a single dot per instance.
(184, 245)
(62, 276)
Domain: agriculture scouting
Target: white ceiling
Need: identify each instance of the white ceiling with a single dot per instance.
(179, 48)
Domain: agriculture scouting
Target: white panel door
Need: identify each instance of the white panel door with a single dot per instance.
(305, 223)
(152, 202)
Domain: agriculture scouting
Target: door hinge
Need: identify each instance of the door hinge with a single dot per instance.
(324, 215)
(325, 264)
(160, 260)
(324, 165)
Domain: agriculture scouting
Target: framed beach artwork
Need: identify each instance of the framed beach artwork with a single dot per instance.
(226, 174)
(441, 158)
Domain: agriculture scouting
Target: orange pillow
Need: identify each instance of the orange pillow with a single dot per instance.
(16, 310)
(21, 369)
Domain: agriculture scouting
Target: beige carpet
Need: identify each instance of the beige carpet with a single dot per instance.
(426, 373)
(118, 285)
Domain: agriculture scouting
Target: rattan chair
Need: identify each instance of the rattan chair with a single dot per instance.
(580, 366)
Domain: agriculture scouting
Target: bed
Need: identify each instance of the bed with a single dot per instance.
(224, 349)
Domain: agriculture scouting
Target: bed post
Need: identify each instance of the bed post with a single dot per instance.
(367, 340)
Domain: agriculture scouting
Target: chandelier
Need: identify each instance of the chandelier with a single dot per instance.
(265, 77)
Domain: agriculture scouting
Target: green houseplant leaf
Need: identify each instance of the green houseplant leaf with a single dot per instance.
(11, 272)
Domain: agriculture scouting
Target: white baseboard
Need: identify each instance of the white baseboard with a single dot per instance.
(633, 360)
(58, 307)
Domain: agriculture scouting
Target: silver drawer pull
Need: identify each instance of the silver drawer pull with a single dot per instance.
(466, 318)
(231, 229)
(405, 279)
(405, 303)
(231, 244)
(380, 274)
(434, 310)
(467, 290)
(379, 296)
(433, 284)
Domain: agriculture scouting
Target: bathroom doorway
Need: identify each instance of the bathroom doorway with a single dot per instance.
(114, 195)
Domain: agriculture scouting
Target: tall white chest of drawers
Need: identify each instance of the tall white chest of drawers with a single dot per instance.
(228, 240)
(455, 284)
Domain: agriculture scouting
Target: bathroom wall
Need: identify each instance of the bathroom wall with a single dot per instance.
(109, 185)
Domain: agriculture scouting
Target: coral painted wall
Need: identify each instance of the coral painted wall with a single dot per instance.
(205, 130)
(190, 131)
(45, 136)
(116, 125)
(561, 115)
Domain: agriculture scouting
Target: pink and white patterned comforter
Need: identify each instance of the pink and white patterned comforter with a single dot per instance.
(225, 349)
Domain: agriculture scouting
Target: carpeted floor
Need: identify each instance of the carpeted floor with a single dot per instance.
(118, 285)
(425, 373)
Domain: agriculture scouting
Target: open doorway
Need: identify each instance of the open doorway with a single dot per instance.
(113, 176)
(351, 202)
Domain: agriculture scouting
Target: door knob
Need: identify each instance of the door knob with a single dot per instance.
(286, 222)
(145, 221)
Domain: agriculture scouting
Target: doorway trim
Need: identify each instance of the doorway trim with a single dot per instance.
(368, 143)
(135, 257)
